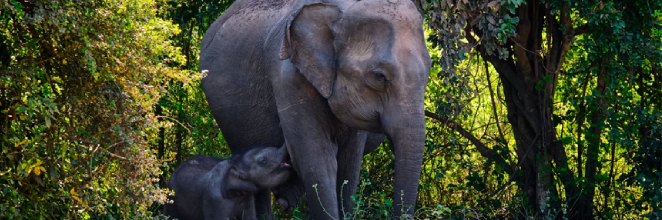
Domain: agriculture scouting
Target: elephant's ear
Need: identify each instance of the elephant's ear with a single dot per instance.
(235, 184)
(308, 43)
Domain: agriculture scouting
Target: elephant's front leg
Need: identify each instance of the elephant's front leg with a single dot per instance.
(350, 155)
(313, 151)
(315, 161)
(309, 129)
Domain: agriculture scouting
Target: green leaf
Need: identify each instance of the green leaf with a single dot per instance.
(32, 43)
(48, 122)
(547, 78)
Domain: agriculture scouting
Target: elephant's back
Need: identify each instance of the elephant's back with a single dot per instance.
(237, 88)
(245, 21)
(189, 172)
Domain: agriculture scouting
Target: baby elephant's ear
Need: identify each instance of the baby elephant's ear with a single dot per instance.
(234, 185)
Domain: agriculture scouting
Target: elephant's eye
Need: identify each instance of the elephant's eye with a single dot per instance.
(377, 79)
(263, 162)
(380, 77)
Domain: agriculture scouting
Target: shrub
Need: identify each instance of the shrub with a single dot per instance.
(78, 83)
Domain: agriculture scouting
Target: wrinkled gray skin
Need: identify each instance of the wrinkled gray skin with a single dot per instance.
(210, 188)
(324, 79)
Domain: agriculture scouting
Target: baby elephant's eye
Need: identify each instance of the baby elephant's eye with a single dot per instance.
(263, 162)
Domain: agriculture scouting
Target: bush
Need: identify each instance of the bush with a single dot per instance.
(78, 84)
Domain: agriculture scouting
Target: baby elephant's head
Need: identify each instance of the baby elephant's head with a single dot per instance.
(266, 167)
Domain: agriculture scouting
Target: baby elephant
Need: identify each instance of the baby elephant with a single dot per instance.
(211, 188)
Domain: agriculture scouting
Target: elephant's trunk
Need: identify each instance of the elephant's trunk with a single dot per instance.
(405, 126)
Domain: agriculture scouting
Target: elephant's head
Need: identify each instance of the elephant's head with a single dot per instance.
(369, 60)
(258, 168)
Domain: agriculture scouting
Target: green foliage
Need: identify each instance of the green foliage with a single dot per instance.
(78, 84)
(604, 147)
(622, 47)
(189, 128)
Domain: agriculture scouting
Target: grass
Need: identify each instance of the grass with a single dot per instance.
(378, 207)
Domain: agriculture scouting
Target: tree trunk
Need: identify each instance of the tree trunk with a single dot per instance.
(532, 144)
(179, 129)
(161, 142)
(597, 118)
(529, 113)
(161, 145)
(581, 116)
(528, 81)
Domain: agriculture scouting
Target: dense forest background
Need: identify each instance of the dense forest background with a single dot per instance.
(537, 109)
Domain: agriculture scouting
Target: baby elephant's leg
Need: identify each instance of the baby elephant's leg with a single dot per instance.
(263, 204)
(289, 193)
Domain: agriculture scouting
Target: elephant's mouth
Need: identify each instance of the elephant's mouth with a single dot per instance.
(286, 163)
(373, 124)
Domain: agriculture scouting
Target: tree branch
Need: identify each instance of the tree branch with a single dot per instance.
(494, 109)
(503, 67)
(484, 150)
(510, 180)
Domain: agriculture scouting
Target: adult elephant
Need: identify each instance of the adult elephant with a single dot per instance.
(320, 77)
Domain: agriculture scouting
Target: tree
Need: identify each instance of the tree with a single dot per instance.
(78, 83)
(538, 48)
